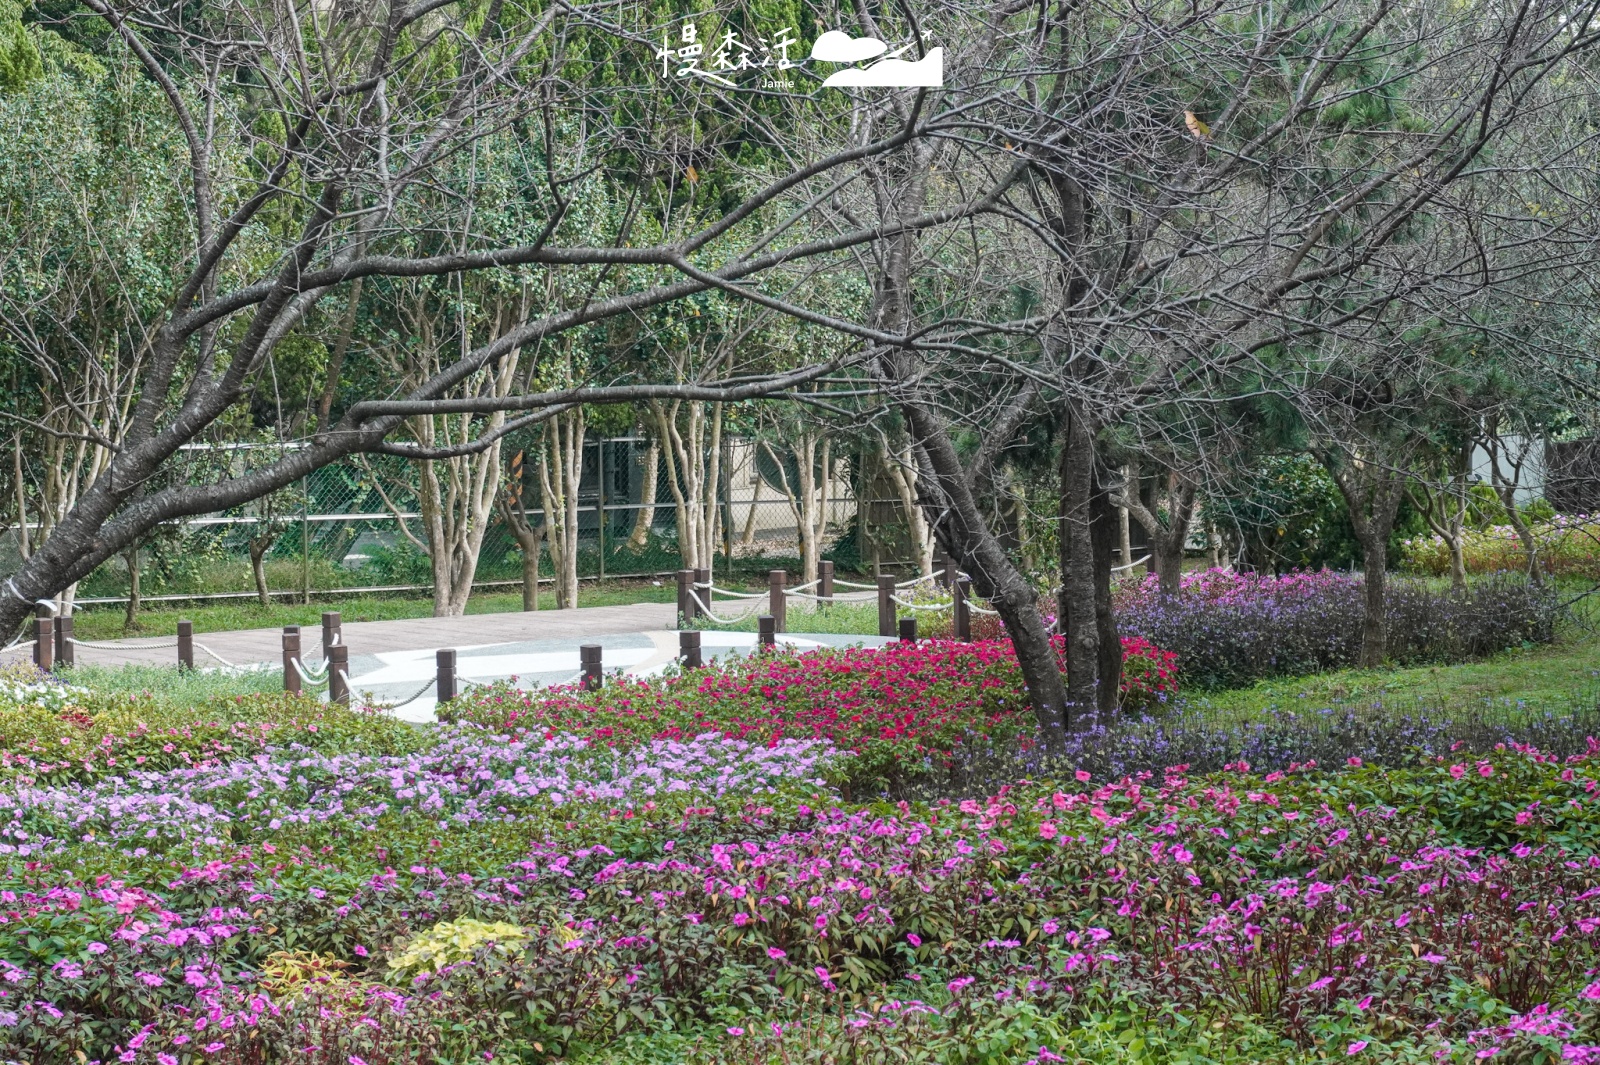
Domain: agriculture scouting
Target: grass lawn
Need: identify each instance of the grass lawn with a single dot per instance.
(106, 623)
(1555, 675)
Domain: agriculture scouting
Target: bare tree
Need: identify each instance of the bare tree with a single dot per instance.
(336, 122)
(1164, 508)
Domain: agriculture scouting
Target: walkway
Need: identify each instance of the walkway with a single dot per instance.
(391, 661)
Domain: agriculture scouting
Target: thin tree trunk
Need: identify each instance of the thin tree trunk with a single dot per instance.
(560, 473)
(1076, 606)
(1372, 493)
(1124, 532)
(748, 536)
(993, 575)
(1103, 532)
(130, 620)
(513, 511)
(645, 517)
(258, 554)
(1167, 539)
(1375, 619)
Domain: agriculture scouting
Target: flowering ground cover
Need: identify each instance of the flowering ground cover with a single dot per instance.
(701, 870)
(1230, 629)
(1568, 546)
(896, 710)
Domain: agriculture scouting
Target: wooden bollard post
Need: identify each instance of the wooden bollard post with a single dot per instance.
(445, 670)
(66, 653)
(689, 649)
(908, 630)
(886, 604)
(702, 589)
(44, 640)
(825, 580)
(291, 655)
(963, 611)
(331, 632)
(589, 656)
(185, 645)
(339, 674)
(777, 600)
(686, 611)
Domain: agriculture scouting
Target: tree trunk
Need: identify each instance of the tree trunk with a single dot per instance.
(901, 469)
(560, 474)
(1372, 491)
(808, 500)
(1375, 619)
(748, 535)
(1103, 532)
(1167, 537)
(645, 517)
(258, 554)
(993, 576)
(1076, 605)
(130, 620)
(1125, 535)
(513, 511)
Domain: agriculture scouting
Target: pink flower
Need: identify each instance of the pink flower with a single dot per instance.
(361, 952)
(98, 948)
(1457, 771)
(775, 954)
(1048, 830)
(735, 1030)
(916, 941)
(1082, 775)
(1592, 992)
(1485, 769)
(1364, 1003)
(1356, 763)
(1357, 1047)
(1433, 959)
(212, 1048)
(166, 1059)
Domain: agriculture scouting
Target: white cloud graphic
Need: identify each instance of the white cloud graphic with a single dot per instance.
(837, 47)
(927, 72)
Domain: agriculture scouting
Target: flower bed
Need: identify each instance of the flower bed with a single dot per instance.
(1433, 913)
(1568, 545)
(1231, 629)
(895, 710)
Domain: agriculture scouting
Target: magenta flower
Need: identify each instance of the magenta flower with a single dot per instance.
(1357, 1047)
(775, 954)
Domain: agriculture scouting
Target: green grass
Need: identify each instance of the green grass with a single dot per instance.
(842, 618)
(105, 623)
(173, 686)
(1553, 675)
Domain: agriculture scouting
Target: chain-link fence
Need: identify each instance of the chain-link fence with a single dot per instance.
(359, 527)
